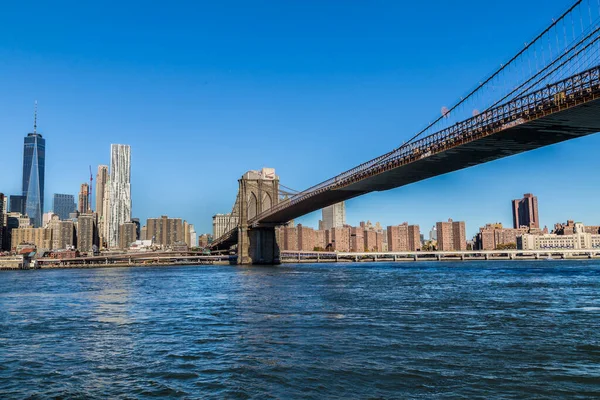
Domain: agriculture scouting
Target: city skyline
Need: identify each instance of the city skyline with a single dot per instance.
(372, 114)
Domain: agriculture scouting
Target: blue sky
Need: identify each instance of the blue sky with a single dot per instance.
(204, 91)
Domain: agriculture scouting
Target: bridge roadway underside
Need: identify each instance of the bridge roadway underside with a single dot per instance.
(567, 124)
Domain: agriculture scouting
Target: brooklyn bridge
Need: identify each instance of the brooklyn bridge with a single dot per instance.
(547, 93)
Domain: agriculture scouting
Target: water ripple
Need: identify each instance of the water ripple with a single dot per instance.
(451, 330)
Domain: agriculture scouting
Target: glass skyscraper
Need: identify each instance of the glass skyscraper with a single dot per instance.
(34, 162)
(63, 205)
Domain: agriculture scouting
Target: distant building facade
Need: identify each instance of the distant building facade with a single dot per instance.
(165, 231)
(63, 205)
(334, 216)
(451, 236)
(17, 204)
(34, 166)
(223, 223)
(120, 191)
(101, 185)
(495, 236)
(578, 240)
(2, 219)
(84, 199)
(127, 235)
(62, 233)
(525, 212)
(40, 237)
(87, 232)
(404, 237)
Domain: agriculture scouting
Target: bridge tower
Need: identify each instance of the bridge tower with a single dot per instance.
(258, 191)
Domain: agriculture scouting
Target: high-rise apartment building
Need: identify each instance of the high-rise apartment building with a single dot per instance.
(164, 231)
(104, 231)
(223, 223)
(2, 212)
(357, 239)
(101, 184)
(62, 233)
(84, 199)
(120, 191)
(451, 236)
(525, 212)
(17, 204)
(63, 205)
(86, 232)
(34, 162)
(127, 234)
(334, 216)
(404, 237)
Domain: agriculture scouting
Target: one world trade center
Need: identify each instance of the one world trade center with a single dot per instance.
(34, 162)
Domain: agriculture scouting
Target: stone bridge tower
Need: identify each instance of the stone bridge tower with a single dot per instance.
(258, 192)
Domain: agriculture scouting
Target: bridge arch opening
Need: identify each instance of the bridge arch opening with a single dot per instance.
(252, 206)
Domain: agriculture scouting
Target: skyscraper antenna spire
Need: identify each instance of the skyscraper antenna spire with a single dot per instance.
(35, 116)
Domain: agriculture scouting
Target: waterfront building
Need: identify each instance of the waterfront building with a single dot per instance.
(34, 165)
(11, 221)
(120, 191)
(320, 239)
(204, 240)
(525, 212)
(62, 233)
(334, 216)
(306, 238)
(569, 228)
(186, 233)
(40, 237)
(17, 204)
(495, 236)
(578, 240)
(340, 238)
(193, 236)
(403, 237)
(104, 232)
(84, 199)
(2, 218)
(86, 232)
(370, 238)
(127, 235)
(451, 236)
(223, 223)
(101, 182)
(164, 231)
(290, 238)
(138, 228)
(63, 205)
(143, 233)
(357, 239)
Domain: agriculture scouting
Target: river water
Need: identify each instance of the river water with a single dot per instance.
(383, 330)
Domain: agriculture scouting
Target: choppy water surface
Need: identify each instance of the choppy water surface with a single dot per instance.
(441, 330)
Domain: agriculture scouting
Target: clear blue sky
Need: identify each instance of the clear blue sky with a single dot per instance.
(204, 91)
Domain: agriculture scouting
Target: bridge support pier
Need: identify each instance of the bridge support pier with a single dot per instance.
(258, 246)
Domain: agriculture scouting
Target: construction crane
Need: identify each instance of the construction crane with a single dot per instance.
(90, 190)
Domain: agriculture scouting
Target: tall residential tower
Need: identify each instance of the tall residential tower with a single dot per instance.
(334, 216)
(525, 212)
(101, 185)
(120, 191)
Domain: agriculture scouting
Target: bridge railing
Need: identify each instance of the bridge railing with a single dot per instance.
(504, 116)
